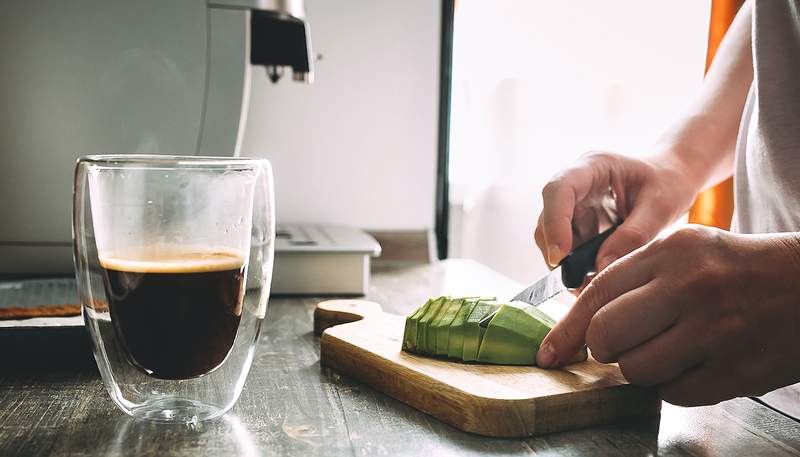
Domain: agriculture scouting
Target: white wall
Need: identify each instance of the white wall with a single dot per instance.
(357, 147)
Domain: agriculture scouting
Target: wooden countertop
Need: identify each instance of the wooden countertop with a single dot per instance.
(57, 405)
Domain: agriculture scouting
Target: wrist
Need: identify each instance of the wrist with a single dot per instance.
(681, 178)
(767, 268)
(698, 149)
(672, 160)
(771, 259)
(788, 246)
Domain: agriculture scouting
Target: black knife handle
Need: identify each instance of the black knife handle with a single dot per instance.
(581, 261)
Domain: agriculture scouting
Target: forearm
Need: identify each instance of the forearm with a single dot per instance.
(703, 141)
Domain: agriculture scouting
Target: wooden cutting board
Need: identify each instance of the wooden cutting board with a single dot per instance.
(361, 341)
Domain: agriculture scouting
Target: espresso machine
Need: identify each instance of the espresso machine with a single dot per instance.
(116, 77)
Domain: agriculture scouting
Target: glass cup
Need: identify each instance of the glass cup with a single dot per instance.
(173, 257)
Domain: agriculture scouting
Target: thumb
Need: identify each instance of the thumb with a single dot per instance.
(641, 226)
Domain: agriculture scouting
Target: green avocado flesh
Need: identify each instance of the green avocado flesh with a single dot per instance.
(514, 335)
(424, 322)
(455, 345)
(450, 327)
(473, 331)
(410, 333)
(441, 325)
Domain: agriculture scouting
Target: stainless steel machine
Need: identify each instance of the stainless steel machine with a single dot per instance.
(118, 76)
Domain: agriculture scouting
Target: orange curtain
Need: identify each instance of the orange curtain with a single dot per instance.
(715, 206)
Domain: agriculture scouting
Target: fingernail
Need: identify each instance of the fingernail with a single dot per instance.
(546, 355)
(606, 261)
(553, 254)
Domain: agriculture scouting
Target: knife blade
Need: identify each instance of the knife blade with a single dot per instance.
(569, 274)
(543, 289)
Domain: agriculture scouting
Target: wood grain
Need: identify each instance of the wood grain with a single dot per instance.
(490, 400)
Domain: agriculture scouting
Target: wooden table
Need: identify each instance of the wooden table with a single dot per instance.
(57, 405)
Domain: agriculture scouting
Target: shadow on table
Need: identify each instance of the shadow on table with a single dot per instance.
(46, 350)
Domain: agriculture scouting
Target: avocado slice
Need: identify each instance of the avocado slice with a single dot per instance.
(423, 345)
(410, 332)
(513, 336)
(473, 333)
(455, 345)
(431, 328)
(441, 324)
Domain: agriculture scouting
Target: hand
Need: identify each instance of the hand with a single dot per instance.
(650, 194)
(704, 314)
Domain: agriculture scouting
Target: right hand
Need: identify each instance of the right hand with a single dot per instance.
(650, 195)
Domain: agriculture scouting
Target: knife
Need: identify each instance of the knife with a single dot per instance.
(569, 274)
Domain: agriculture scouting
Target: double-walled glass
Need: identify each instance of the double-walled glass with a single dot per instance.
(173, 258)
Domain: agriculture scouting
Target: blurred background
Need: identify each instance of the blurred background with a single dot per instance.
(433, 122)
(538, 83)
(535, 84)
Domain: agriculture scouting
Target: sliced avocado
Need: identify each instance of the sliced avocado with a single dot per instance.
(441, 325)
(455, 346)
(410, 332)
(473, 332)
(537, 314)
(513, 336)
(423, 345)
(423, 321)
(431, 329)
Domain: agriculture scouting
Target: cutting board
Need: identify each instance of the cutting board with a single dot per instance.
(361, 341)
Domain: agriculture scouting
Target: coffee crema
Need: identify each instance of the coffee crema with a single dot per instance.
(176, 314)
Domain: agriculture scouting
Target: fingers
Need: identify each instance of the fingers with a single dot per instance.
(662, 359)
(641, 226)
(559, 197)
(630, 320)
(585, 224)
(538, 237)
(559, 203)
(569, 335)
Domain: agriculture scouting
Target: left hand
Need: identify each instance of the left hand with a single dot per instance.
(705, 315)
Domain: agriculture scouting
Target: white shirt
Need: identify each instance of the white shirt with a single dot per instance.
(767, 170)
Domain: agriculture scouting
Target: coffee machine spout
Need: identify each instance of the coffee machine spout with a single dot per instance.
(279, 36)
(279, 41)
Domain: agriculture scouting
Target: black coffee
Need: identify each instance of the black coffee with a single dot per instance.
(176, 316)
